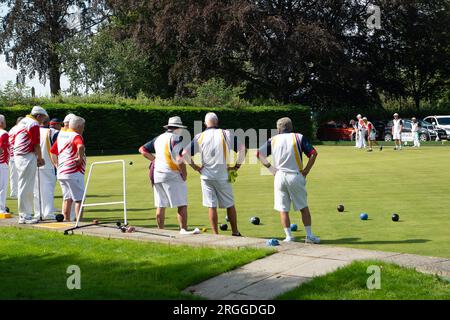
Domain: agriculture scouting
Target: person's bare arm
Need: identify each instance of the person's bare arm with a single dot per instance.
(266, 163)
(183, 170)
(310, 164)
(38, 152)
(54, 159)
(80, 154)
(146, 154)
(186, 156)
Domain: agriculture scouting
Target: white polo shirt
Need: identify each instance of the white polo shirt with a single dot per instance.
(214, 146)
(286, 150)
(166, 148)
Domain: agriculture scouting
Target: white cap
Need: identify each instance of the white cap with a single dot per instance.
(68, 117)
(396, 114)
(358, 116)
(38, 110)
(365, 118)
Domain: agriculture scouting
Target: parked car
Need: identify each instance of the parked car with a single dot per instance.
(442, 122)
(334, 131)
(427, 131)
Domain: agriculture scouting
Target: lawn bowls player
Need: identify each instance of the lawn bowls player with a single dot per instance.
(168, 173)
(286, 149)
(68, 156)
(44, 188)
(214, 145)
(12, 168)
(27, 158)
(415, 131)
(362, 130)
(4, 163)
(371, 134)
(397, 129)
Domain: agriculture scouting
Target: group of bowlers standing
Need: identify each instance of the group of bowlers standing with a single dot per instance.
(169, 156)
(34, 154)
(363, 128)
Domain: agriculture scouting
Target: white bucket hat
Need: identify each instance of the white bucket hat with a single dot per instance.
(38, 110)
(175, 122)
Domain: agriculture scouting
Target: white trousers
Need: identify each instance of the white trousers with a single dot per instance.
(12, 179)
(416, 140)
(26, 171)
(362, 139)
(3, 187)
(47, 179)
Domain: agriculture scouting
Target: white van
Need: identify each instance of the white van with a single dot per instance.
(442, 122)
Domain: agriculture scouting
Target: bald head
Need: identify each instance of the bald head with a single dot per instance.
(211, 120)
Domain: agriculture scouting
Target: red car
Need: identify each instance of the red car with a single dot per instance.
(334, 131)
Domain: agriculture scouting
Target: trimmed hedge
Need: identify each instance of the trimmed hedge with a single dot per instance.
(113, 127)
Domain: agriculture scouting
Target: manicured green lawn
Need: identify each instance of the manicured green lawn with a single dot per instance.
(34, 265)
(413, 183)
(350, 283)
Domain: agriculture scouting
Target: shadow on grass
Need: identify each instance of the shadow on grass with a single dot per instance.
(358, 241)
(104, 276)
(120, 210)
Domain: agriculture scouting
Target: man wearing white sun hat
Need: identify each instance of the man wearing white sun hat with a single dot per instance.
(28, 157)
(168, 173)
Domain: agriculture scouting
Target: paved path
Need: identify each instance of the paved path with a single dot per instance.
(291, 265)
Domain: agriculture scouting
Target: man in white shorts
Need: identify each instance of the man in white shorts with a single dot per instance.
(168, 173)
(286, 149)
(27, 158)
(44, 187)
(214, 145)
(12, 168)
(397, 129)
(68, 156)
(4, 161)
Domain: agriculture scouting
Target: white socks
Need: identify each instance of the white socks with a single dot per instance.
(288, 233)
(308, 231)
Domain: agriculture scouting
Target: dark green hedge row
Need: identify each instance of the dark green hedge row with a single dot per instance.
(110, 127)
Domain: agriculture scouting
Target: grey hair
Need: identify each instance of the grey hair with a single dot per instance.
(284, 125)
(2, 119)
(76, 122)
(211, 117)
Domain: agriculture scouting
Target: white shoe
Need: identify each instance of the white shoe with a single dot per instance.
(289, 239)
(49, 217)
(183, 231)
(32, 221)
(312, 239)
(22, 221)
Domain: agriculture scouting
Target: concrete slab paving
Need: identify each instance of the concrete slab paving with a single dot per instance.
(439, 268)
(316, 267)
(273, 286)
(230, 282)
(276, 263)
(412, 261)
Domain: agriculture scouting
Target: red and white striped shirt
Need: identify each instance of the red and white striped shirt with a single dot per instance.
(12, 137)
(4, 145)
(27, 136)
(66, 148)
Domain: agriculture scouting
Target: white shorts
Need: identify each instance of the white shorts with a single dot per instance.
(290, 188)
(217, 193)
(171, 193)
(72, 188)
(397, 136)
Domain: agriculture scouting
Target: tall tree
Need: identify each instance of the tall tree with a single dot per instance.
(283, 49)
(409, 56)
(31, 34)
